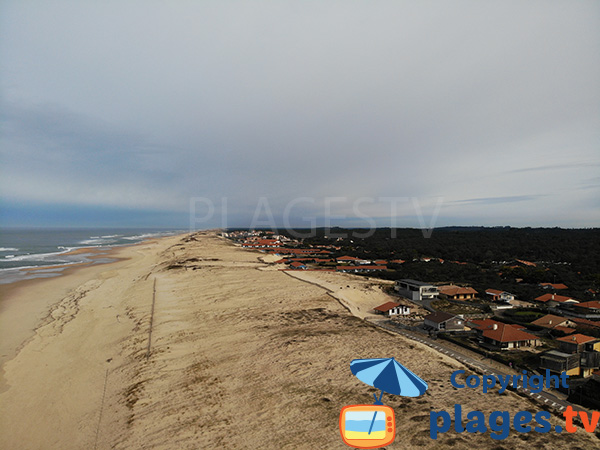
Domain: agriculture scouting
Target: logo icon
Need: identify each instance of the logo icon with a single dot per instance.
(374, 426)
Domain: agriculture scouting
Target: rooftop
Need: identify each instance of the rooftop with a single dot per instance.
(577, 339)
(508, 333)
(557, 298)
(387, 306)
(439, 316)
(549, 321)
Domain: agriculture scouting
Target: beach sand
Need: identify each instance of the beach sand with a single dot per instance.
(192, 342)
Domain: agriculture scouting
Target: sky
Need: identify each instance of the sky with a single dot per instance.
(299, 113)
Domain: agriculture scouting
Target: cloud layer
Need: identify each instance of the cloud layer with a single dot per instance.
(490, 108)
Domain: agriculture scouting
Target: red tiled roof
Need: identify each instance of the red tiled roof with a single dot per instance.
(577, 339)
(593, 304)
(527, 263)
(362, 267)
(398, 261)
(557, 298)
(565, 330)
(347, 258)
(493, 291)
(507, 333)
(386, 306)
(483, 324)
(297, 264)
(456, 290)
(585, 322)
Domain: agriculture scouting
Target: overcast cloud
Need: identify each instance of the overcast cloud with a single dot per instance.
(486, 113)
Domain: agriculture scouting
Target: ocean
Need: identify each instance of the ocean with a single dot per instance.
(48, 249)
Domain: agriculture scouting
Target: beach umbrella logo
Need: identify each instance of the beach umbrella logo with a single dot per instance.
(374, 426)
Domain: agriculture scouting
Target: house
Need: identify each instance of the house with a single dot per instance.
(558, 362)
(360, 269)
(457, 292)
(506, 337)
(443, 321)
(588, 308)
(579, 355)
(392, 309)
(480, 325)
(499, 296)
(298, 265)
(554, 286)
(416, 290)
(565, 330)
(584, 310)
(527, 263)
(575, 343)
(352, 260)
(552, 321)
(554, 299)
(586, 323)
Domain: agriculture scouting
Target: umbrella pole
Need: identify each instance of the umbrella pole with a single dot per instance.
(377, 402)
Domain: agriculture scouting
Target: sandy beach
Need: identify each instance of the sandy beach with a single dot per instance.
(190, 342)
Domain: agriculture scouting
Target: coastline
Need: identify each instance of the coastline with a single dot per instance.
(192, 342)
(26, 304)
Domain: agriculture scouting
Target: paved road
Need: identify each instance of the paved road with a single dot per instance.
(542, 397)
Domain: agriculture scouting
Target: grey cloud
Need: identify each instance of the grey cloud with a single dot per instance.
(497, 200)
(170, 101)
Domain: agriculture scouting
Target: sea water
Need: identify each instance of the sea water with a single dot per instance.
(48, 250)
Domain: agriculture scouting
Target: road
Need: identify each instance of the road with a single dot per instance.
(545, 397)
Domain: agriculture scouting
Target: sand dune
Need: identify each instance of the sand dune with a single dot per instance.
(238, 357)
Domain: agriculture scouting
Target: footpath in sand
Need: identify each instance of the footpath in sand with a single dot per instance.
(191, 344)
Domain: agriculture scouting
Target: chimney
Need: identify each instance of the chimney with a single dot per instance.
(574, 338)
(495, 326)
(550, 322)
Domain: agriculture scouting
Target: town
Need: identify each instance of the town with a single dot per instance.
(536, 326)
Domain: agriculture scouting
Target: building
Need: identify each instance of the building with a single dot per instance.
(443, 321)
(503, 336)
(499, 296)
(360, 268)
(298, 265)
(579, 355)
(555, 300)
(584, 310)
(552, 321)
(416, 290)
(559, 362)
(457, 292)
(480, 325)
(352, 260)
(390, 309)
(555, 286)
(575, 343)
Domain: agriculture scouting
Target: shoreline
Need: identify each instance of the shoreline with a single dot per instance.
(191, 342)
(26, 304)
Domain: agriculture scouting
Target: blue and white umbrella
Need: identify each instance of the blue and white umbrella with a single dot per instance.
(389, 376)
